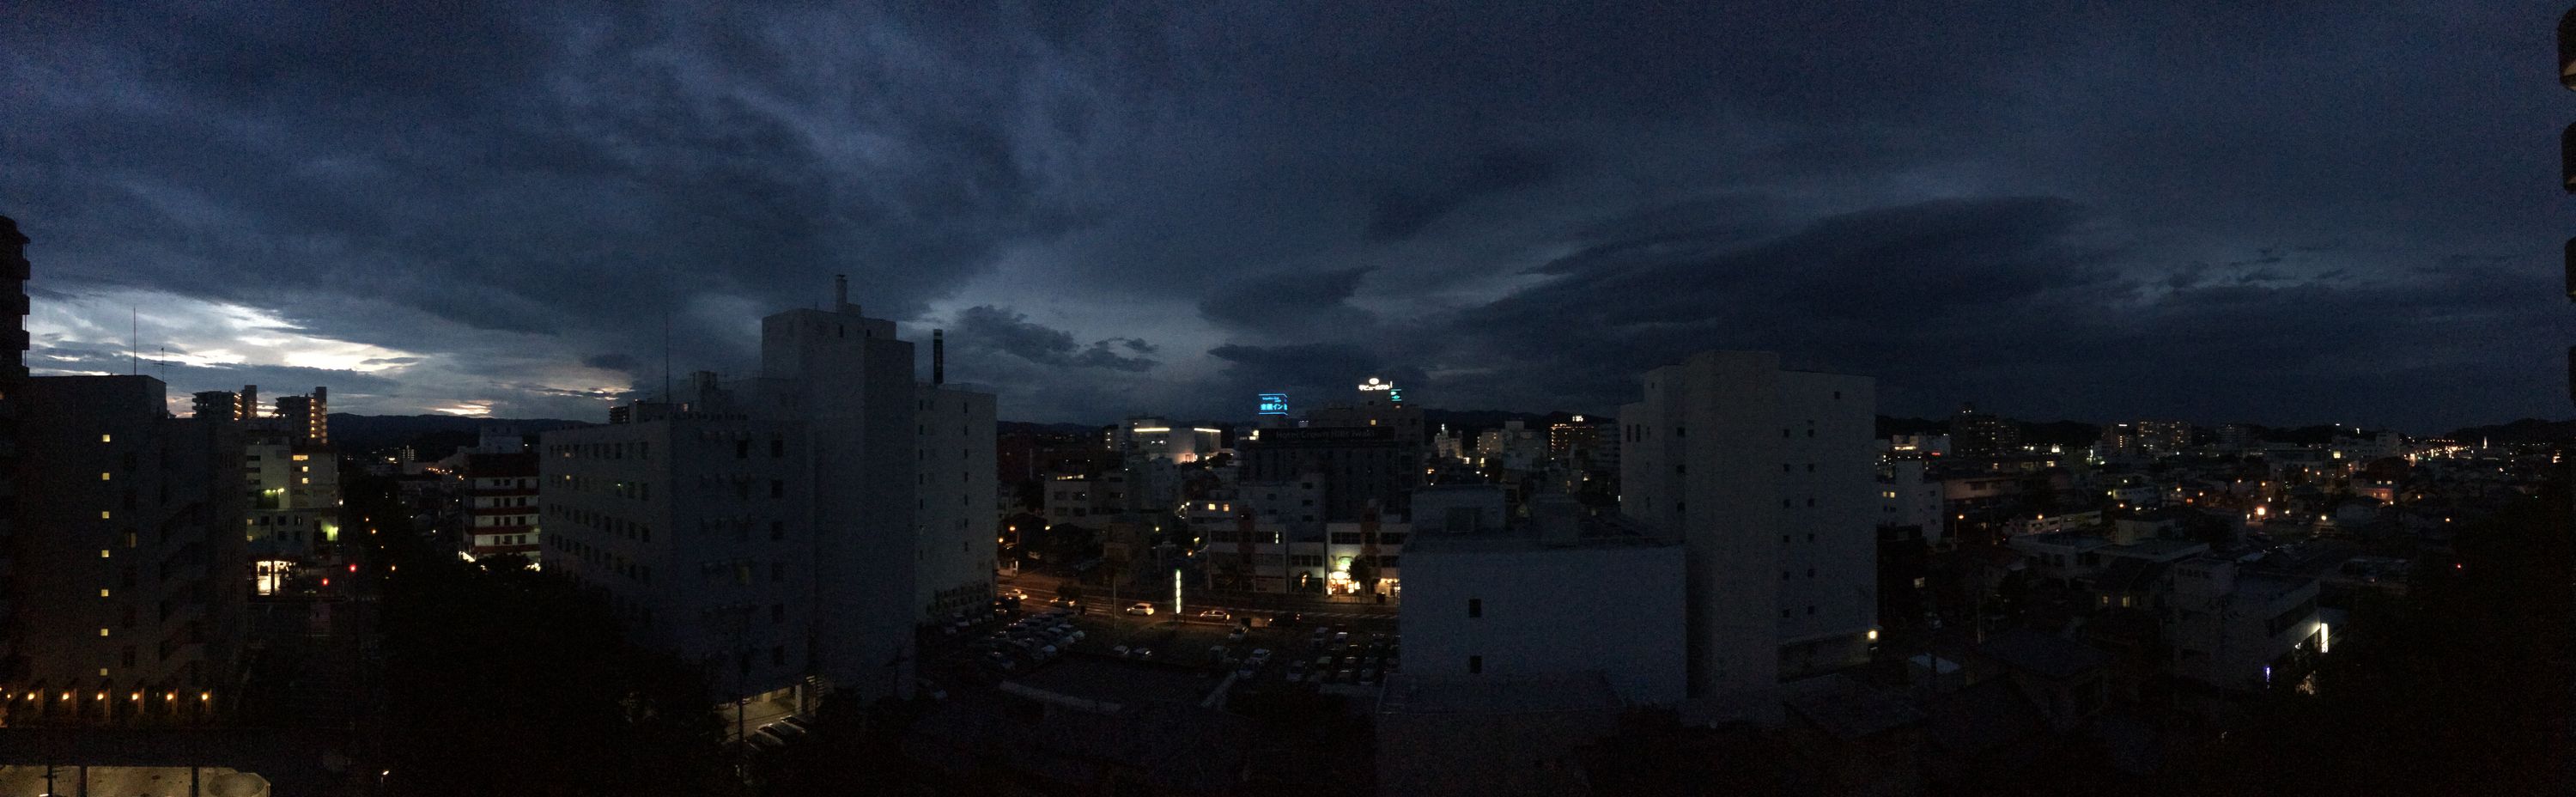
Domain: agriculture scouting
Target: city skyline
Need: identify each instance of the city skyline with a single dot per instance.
(1173, 210)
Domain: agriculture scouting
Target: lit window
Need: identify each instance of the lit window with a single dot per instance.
(102, 514)
(102, 592)
(102, 553)
(105, 439)
(102, 632)
(102, 476)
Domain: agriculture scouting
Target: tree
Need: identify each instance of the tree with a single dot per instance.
(508, 680)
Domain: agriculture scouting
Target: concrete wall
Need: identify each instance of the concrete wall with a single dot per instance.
(953, 557)
(1547, 611)
(1763, 472)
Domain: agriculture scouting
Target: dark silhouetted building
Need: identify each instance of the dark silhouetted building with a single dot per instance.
(132, 602)
(13, 379)
(1977, 434)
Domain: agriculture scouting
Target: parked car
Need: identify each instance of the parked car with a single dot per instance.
(1215, 614)
(1235, 635)
(783, 731)
(1121, 651)
(1140, 608)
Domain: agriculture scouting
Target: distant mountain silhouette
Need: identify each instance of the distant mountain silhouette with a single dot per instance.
(2527, 430)
(430, 436)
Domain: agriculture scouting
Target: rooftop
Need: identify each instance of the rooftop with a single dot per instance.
(2064, 539)
(2045, 655)
(1407, 693)
(1592, 531)
(1847, 708)
(2158, 548)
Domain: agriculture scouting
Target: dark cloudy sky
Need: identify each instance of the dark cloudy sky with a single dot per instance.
(2275, 212)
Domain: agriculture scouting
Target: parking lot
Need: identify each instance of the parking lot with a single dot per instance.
(1122, 656)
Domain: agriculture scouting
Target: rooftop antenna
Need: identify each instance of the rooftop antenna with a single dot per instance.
(133, 341)
(666, 355)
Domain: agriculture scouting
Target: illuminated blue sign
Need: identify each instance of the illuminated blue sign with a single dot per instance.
(1274, 403)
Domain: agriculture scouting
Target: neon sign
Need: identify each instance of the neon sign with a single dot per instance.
(1374, 384)
(1274, 403)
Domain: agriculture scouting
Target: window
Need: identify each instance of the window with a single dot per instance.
(1475, 665)
(1475, 607)
(778, 612)
(1677, 431)
(777, 447)
(777, 488)
(777, 530)
(778, 655)
(742, 449)
(778, 571)
(1811, 611)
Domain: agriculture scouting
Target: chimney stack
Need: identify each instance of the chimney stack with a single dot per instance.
(840, 293)
(938, 357)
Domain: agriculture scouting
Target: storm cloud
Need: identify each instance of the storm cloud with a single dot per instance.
(2215, 211)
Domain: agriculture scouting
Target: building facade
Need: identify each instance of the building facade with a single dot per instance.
(774, 523)
(959, 502)
(1767, 475)
(137, 587)
(306, 419)
(501, 505)
(1521, 603)
(13, 378)
(1976, 434)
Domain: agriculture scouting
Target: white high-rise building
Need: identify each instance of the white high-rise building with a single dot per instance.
(1768, 476)
(774, 528)
(959, 505)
